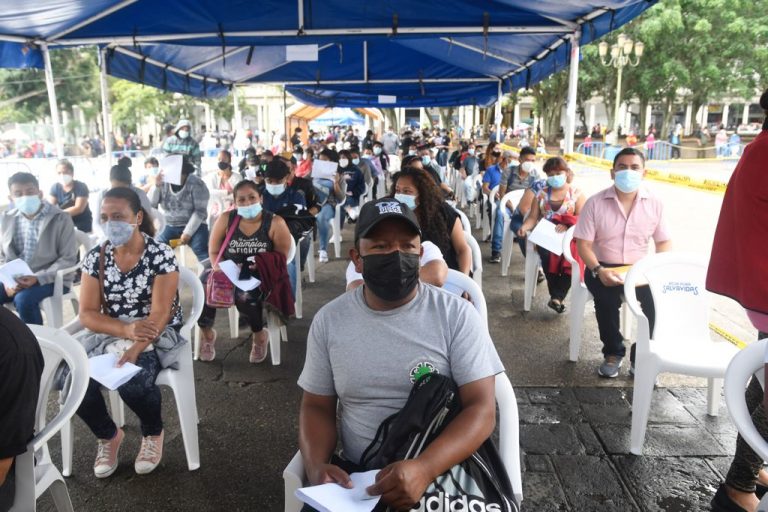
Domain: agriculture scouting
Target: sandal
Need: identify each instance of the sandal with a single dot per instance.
(557, 307)
(207, 350)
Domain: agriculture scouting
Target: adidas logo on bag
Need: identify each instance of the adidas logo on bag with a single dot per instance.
(445, 503)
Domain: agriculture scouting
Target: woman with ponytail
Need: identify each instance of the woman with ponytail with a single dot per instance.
(737, 270)
(129, 306)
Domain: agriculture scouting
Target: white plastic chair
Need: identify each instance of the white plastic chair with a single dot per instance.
(216, 205)
(507, 241)
(294, 476)
(275, 327)
(532, 264)
(35, 472)
(299, 298)
(457, 282)
(477, 259)
(681, 341)
(747, 362)
(181, 382)
(53, 306)
(465, 224)
(580, 296)
(489, 218)
(336, 222)
(477, 204)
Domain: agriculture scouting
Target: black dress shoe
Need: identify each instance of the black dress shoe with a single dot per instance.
(723, 503)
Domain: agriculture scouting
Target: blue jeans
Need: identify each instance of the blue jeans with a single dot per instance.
(303, 250)
(324, 225)
(198, 243)
(498, 229)
(27, 301)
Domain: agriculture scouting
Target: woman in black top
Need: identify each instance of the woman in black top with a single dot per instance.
(257, 231)
(439, 222)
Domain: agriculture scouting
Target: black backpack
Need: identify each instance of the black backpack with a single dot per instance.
(478, 483)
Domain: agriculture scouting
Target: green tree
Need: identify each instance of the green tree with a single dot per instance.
(550, 97)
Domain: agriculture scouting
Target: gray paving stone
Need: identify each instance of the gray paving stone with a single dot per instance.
(721, 423)
(616, 396)
(543, 493)
(538, 464)
(550, 439)
(600, 414)
(690, 396)
(591, 483)
(666, 408)
(669, 484)
(662, 440)
(549, 414)
(727, 440)
(588, 438)
(721, 465)
(556, 396)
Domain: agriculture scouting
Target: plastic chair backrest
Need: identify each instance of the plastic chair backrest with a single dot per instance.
(456, 279)
(57, 346)
(575, 268)
(291, 252)
(188, 279)
(743, 365)
(464, 221)
(514, 197)
(477, 255)
(681, 302)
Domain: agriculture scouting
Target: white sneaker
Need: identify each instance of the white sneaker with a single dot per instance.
(106, 455)
(322, 256)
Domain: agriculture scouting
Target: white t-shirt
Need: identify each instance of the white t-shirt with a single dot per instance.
(370, 359)
(431, 253)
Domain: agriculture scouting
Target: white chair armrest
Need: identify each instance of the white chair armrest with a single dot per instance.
(58, 281)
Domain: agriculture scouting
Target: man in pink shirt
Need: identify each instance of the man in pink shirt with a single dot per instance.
(614, 229)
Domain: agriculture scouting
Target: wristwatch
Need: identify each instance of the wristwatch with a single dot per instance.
(596, 271)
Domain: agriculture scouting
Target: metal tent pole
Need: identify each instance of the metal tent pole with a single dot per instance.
(573, 84)
(105, 106)
(52, 101)
(238, 116)
(499, 138)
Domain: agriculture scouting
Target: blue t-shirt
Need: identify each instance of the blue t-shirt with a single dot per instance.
(492, 176)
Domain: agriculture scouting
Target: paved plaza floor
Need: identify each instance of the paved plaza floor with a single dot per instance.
(574, 425)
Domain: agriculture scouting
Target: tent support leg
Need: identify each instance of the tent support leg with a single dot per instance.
(573, 83)
(59, 143)
(105, 106)
(499, 138)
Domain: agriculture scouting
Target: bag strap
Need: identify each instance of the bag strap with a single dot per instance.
(227, 239)
(102, 296)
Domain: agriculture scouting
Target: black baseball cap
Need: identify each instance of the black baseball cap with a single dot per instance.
(374, 212)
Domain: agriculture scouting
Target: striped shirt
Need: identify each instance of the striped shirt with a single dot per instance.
(26, 232)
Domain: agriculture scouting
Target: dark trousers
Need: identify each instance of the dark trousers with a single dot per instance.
(746, 463)
(558, 284)
(608, 301)
(140, 394)
(247, 303)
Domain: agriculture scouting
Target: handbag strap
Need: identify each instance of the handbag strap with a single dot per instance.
(227, 239)
(102, 296)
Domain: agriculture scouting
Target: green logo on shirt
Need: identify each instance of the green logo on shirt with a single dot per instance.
(422, 369)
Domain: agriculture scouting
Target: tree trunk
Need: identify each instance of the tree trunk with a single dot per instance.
(668, 104)
(446, 117)
(643, 113)
(391, 117)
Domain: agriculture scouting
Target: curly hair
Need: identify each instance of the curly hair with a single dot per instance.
(429, 212)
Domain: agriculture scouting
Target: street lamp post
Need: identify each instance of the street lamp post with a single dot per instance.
(621, 55)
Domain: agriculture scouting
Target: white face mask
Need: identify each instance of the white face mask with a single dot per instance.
(343, 162)
(527, 167)
(65, 179)
(183, 134)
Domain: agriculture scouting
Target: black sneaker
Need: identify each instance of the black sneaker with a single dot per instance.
(723, 503)
(495, 257)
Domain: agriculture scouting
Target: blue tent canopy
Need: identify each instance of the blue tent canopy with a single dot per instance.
(364, 49)
(18, 55)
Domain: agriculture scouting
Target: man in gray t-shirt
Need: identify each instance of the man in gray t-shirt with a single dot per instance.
(367, 347)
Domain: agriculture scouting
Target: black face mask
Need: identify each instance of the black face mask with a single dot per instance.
(391, 276)
(223, 166)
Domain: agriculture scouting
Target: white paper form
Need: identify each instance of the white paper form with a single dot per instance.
(104, 371)
(544, 235)
(171, 166)
(324, 170)
(232, 271)
(335, 498)
(12, 270)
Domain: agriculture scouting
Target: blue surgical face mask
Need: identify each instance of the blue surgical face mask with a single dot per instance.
(628, 181)
(118, 232)
(154, 171)
(377, 150)
(425, 159)
(407, 199)
(276, 190)
(471, 152)
(411, 152)
(249, 212)
(356, 161)
(556, 181)
(28, 205)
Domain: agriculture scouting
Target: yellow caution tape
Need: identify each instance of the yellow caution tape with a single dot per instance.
(727, 336)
